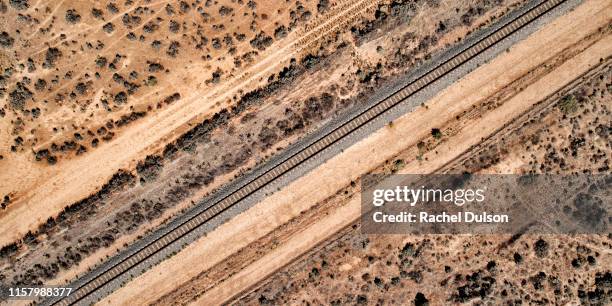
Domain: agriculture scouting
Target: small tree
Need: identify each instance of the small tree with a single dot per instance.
(436, 133)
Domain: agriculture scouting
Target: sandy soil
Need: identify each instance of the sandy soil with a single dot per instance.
(339, 171)
(135, 209)
(39, 191)
(352, 265)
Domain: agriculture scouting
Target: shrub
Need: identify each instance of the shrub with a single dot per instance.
(19, 96)
(150, 27)
(155, 67)
(280, 32)
(568, 104)
(420, 299)
(120, 98)
(19, 4)
(261, 41)
(72, 16)
(52, 55)
(436, 133)
(322, 6)
(108, 27)
(97, 13)
(40, 84)
(112, 8)
(150, 168)
(224, 10)
(101, 62)
(174, 26)
(130, 21)
(173, 49)
(541, 248)
(9, 250)
(151, 81)
(6, 40)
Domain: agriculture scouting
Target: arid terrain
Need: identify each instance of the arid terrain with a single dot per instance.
(503, 269)
(116, 116)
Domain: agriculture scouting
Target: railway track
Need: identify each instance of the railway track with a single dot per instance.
(125, 262)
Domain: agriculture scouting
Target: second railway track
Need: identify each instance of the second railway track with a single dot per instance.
(126, 261)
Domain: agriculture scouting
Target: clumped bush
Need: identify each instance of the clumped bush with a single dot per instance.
(172, 98)
(436, 133)
(477, 286)
(40, 84)
(101, 61)
(130, 87)
(19, 96)
(126, 119)
(149, 169)
(540, 247)
(52, 55)
(224, 10)
(316, 107)
(130, 21)
(173, 49)
(169, 9)
(310, 61)
(280, 32)
(184, 7)
(267, 137)
(156, 44)
(31, 65)
(291, 124)
(216, 43)
(72, 16)
(117, 78)
(155, 67)
(471, 14)
(19, 4)
(420, 300)
(97, 13)
(150, 27)
(322, 6)
(5, 201)
(112, 8)
(239, 36)
(120, 98)
(252, 5)
(81, 88)
(51, 160)
(228, 40)
(174, 26)
(216, 76)
(151, 81)
(6, 40)
(108, 27)
(441, 27)
(9, 250)
(261, 41)
(568, 105)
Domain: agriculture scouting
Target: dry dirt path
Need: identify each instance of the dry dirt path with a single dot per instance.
(374, 150)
